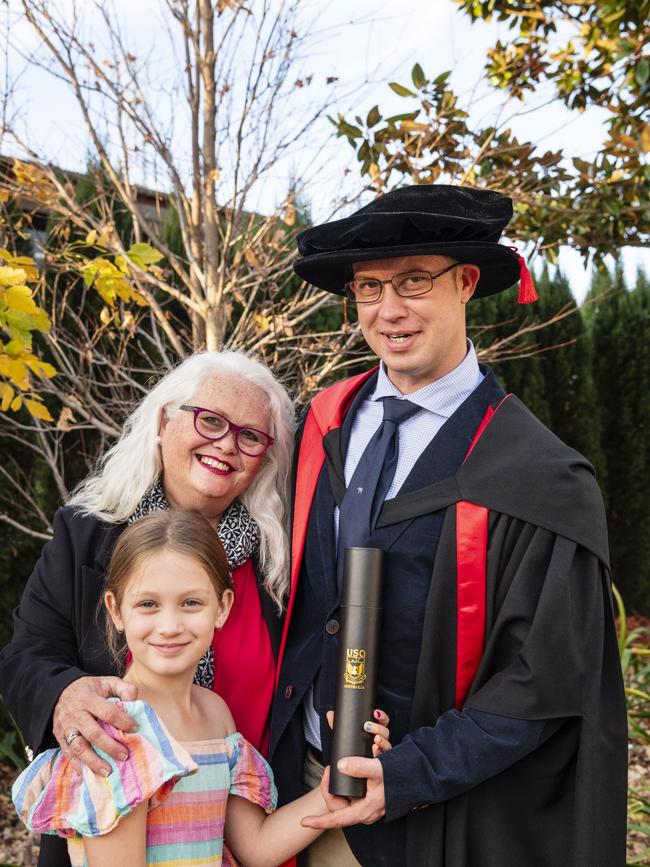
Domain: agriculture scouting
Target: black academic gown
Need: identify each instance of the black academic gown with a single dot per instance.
(550, 653)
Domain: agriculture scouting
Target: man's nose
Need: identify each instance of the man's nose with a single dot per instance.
(391, 305)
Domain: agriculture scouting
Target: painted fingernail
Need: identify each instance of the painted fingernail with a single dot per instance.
(368, 726)
(377, 714)
(123, 757)
(105, 772)
(342, 764)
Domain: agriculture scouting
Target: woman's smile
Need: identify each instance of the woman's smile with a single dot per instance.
(221, 468)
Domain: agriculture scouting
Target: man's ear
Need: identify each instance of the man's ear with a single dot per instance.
(469, 276)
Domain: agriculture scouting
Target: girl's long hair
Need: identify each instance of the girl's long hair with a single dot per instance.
(131, 466)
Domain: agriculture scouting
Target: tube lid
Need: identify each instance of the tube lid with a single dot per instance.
(363, 574)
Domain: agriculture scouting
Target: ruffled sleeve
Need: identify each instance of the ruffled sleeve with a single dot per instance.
(54, 796)
(250, 775)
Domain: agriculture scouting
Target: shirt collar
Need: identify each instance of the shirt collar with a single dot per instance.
(444, 395)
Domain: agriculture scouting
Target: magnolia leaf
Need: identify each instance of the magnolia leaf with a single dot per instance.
(374, 116)
(400, 90)
(412, 126)
(417, 76)
(38, 410)
(645, 138)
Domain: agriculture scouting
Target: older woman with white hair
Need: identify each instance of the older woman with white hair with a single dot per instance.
(214, 436)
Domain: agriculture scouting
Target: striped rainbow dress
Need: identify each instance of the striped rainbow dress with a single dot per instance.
(186, 783)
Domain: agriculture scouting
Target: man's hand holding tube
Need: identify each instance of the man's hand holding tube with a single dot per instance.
(344, 812)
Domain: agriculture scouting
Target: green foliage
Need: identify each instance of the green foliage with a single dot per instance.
(12, 745)
(590, 54)
(634, 648)
(593, 205)
(620, 329)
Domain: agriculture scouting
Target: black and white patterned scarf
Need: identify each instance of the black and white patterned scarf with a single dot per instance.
(239, 535)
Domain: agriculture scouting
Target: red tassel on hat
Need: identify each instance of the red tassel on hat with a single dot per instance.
(527, 291)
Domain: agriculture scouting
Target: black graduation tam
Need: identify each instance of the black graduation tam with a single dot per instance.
(433, 219)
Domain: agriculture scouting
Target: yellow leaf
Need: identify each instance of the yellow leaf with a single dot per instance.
(143, 255)
(7, 395)
(25, 262)
(140, 300)
(105, 316)
(4, 196)
(19, 298)
(91, 237)
(262, 323)
(16, 403)
(12, 276)
(66, 418)
(105, 235)
(38, 410)
(251, 258)
(14, 369)
(373, 171)
(28, 265)
(41, 368)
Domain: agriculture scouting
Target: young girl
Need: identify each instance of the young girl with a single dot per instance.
(188, 773)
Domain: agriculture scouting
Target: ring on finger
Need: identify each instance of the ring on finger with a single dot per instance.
(71, 735)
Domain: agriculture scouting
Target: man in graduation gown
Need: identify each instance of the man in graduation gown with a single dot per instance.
(498, 664)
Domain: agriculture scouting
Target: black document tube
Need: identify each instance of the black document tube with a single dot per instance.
(356, 682)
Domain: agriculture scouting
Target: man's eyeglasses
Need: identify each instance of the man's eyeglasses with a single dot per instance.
(212, 425)
(368, 290)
